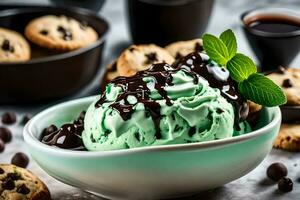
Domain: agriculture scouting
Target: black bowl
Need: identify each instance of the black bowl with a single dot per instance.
(272, 49)
(49, 75)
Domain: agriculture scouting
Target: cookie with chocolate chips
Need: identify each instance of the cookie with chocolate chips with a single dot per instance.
(13, 46)
(289, 80)
(20, 184)
(141, 57)
(60, 33)
(183, 48)
(288, 137)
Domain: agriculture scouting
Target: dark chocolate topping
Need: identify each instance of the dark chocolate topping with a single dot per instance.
(23, 189)
(192, 64)
(6, 46)
(287, 83)
(67, 137)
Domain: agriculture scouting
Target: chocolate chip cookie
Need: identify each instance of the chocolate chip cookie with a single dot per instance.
(20, 184)
(289, 80)
(60, 33)
(288, 137)
(183, 48)
(141, 57)
(13, 46)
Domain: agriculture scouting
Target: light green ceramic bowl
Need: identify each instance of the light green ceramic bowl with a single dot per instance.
(150, 172)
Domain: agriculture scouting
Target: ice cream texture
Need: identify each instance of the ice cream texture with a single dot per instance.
(190, 101)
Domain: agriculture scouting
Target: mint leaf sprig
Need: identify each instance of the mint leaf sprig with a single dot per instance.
(252, 85)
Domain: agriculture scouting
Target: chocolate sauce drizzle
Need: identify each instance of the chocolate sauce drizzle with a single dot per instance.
(192, 64)
(68, 136)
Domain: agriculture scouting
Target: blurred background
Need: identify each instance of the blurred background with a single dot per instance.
(226, 14)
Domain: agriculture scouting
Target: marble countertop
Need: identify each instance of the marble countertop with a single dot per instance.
(253, 186)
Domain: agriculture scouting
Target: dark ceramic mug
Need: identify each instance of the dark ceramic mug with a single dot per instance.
(163, 22)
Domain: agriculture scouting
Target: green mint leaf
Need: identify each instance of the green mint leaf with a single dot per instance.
(241, 67)
(262, 90)
(229, 40)
(215, 49)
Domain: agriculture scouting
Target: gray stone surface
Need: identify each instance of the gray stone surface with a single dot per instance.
(226, 13)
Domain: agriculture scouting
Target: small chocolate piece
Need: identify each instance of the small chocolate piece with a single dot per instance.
(151, 57)
(1, 171)
(13, 176)
(131, 49)
(44, 32)
(23, 189)
(25, 119)
(298, 180)
(61, 29)
(9, 118)
(52, 128)
(8, 184)
(198, 47)
(5, 134)
(178, 56)
(2, 146)
(287, 83)
(7, 47)
(281, 70)
(67, 36)
(285, 184)
(277, 171)
(20, 159)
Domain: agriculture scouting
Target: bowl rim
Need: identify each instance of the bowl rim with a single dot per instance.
(63, 55)
(271, 9)
(31, 140)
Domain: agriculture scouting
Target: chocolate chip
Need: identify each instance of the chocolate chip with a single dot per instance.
(25, 119)
(192, 131)
(198, 47)
(6, 46)
(9, 118)
(285, 184)
(13, 176)
(52, 128)
(220, 111)
(277, 171)
(178, 56)
(151, 57)
(287, 83)
(23, 189)
(8, 184)
(298, 180)
(67, 36)
(1, 171)
(20, 159)
(44, 32)
(5, 134)
(61, 29)
(2, 146)
(83, 25)
(131, 49)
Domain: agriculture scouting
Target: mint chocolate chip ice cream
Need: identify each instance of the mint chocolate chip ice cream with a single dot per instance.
(191, 101)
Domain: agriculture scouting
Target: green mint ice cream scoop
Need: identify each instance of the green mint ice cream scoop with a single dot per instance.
(190, 101)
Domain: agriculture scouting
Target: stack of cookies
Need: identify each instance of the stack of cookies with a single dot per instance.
(56, 33)
(289, 135)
